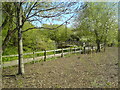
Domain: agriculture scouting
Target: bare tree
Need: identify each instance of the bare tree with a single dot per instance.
(35, 12)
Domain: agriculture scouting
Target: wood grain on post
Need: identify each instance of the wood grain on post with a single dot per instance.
(92, 48)
(62, 53)
(54, 52)
(74, 50)
(44, 55)
(80, 50)
(84, 50)
(34, 56)
(69, 50)
(88, 49)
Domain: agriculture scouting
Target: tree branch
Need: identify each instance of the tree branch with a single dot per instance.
(49, 28)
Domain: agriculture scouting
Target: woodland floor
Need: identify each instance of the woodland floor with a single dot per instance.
(76, 71)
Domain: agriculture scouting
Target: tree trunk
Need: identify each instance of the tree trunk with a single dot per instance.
(10, 33)
(20, 44)
(4, 23)
(6, 40)
(20, 54)
(98, 45)
(104, 45)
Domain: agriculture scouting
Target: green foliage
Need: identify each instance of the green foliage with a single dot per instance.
(98, 22)
(10, 50)
(33, 40)
(8, 12)
(5, 59)
(36, 39)
(60, 34)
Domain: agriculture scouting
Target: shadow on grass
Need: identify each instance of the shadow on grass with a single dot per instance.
(12, 75)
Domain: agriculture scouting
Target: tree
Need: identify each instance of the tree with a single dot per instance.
(22, 12)
(8, 26)
(96, 21)
(59, 35)
(38, 12)
(34, 40)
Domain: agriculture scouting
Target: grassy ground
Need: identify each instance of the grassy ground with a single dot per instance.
(6, 59)
(77, 71)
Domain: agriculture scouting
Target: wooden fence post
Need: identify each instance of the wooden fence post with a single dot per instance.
(54, 52)
(62, 53)
(84, 50)
(88, 50)
(44, 55)
(80, 50)
(69, 50)
(34, 56)
(92, 48)
(96, 49)
(74, 50)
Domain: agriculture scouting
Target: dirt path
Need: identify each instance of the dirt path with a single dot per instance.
(77, 71)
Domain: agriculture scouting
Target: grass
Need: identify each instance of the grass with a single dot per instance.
(54, 58)
(5, 59)
(50, 59)
(87, 71)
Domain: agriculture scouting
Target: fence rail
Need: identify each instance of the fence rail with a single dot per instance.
(39, 52)
(45, 55)
(47, 51)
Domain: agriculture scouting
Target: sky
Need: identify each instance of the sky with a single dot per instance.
(59, 20)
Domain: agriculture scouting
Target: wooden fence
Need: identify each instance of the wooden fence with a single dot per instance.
(55, 53)
(45, 55)
(70, 50)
